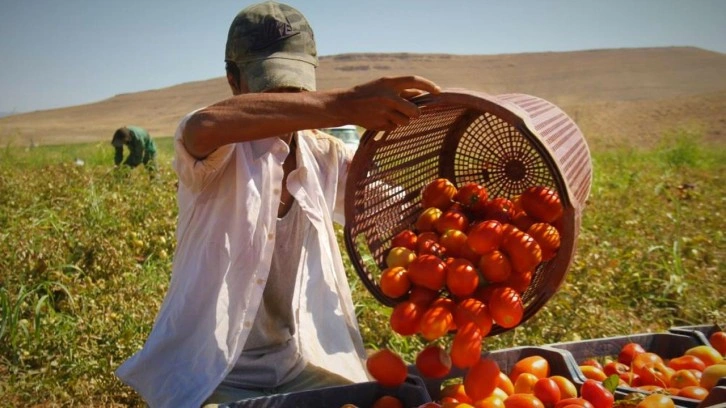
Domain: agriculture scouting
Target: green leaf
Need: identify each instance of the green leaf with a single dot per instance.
(611, 383)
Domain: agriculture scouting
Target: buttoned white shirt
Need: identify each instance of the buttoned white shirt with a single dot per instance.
(228, 206)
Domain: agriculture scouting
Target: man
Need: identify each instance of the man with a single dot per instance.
(141, 148)
(258, 301)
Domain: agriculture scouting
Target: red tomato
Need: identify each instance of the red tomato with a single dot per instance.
(406, 238)
(500, 209)
(438, 193)
(462, 278)
(523, 251)
(406, 317)
(422, 296)
(547, 391)
(466, 347)
(615, 368)
(628, 353)
(485, 236)
(428, 271)
(495, 266)
(433, 362)
(506, 307)
(482, 378)
(718, 341)
(578, 402)
(387, 367)
(451, 220)
(426, 221)
(473, 310)
(453, 242)
(542, 203)
(687, 362)
(470, 194)
(594, 392)
(436, 322)
(394, 282)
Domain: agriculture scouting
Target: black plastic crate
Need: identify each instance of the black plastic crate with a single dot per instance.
(560, 363)
(412, 393)
(700, 332)
(666, 345)
(716, 398)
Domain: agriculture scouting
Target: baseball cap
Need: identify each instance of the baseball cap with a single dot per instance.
(273, 46)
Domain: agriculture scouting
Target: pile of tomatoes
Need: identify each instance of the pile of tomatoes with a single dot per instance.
(462, 267)
(691, 375)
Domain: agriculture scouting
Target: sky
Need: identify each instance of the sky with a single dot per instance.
(57, 53)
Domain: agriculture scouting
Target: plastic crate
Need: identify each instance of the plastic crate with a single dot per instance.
(412, 393)
(700, 332)
(666, 345)
(561, 363)
(716, 398)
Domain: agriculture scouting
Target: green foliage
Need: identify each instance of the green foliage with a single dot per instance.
(85, 257)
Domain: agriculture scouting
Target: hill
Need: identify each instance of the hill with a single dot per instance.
(617, 96)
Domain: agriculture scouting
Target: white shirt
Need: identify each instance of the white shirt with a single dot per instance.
(225, 238)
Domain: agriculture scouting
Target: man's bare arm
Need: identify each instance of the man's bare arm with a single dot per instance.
(380, 105)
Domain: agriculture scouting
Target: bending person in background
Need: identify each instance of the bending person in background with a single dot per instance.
(141, 148)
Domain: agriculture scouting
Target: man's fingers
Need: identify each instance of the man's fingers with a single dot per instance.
(411, 93)
(414, 82)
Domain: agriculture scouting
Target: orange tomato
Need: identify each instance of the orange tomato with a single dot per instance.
(426, 221)
(506, 307)
(656, 401)
(399, 257)
(694, 392)
(492, 401)
(686, 362)
(541, 203)
(524, 384)
(593, 372)
(576, 402)
(683, 379)
(718, 341)
(567, 387)
(455, 391)
(394, 282)
(482, 378)
(523, 401)
(466, 347)
(433, 362)
(485, 236)
(495, 266)
(536, 365)
(505, 383)
(462, 278)
(707, 354)
(406, 318)
(387, 367)
(438, 193)
(428, 271)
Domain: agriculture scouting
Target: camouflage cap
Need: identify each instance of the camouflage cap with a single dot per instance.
(273, 46)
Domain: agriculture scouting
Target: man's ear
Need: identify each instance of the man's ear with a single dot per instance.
(233, 84)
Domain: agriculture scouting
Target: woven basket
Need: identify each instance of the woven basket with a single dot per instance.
(505, 142)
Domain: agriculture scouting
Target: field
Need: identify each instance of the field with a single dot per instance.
(86, 250)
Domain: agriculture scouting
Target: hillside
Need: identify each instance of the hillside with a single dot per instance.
(616, 96)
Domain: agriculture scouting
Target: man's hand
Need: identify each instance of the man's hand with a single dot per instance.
(383, 104)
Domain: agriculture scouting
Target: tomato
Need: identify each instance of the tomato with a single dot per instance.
(492, 401)
(523, 401)
(394, 282)
(707, 354)
(470, 194)
(430, 247)
(453, 241)
(495, 266)
(485, 236)
(711, 375)
(591, 362)
(499, 208)
(686, 362)
(451, 220)
(594, 392)
(406, 318)
(718, 341)
(469, 254)
(536, 365)
(505, 384)
(506, 307)
(651, 369)
(399, 256)
(422, 296)
(436, 322)
(462, 278)
(578, 402)
(524, 384)
(438, 193)
(593, 372)
(522, 221)
(631, 379)
(406, 238)
(615, 368)
(656, 401)
(455, 391)
(433, 362)
(547, 391)
(388, 401)
(473, 310)
(387, 368)
(519, 281)
(683, 379)
(481, 379)
(428, 271)
(523, 251)
(426, 221)
(628, 353)
(541, 203)
(547, 237)
(466, 347)
(567, 387)
(694, 392)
